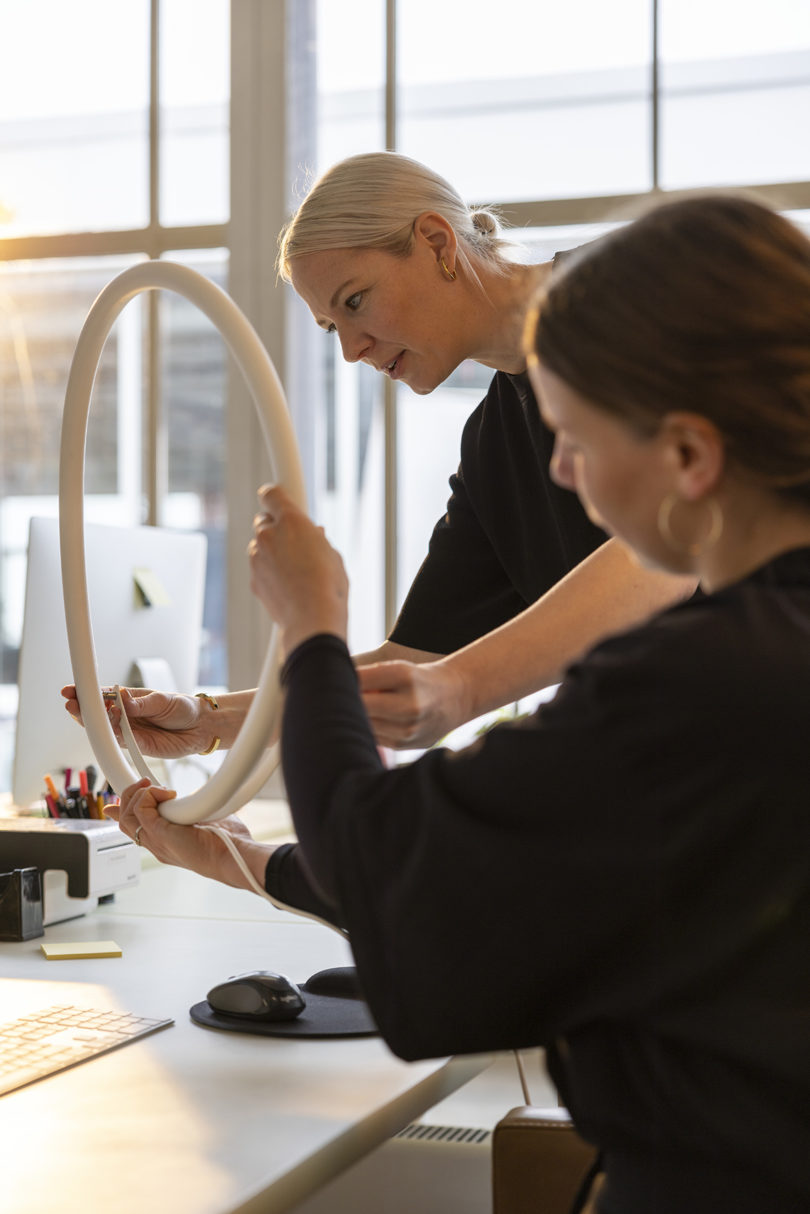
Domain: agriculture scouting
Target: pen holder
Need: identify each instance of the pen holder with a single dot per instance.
(21, 904)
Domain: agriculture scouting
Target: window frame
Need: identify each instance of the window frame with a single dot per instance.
(265, 133)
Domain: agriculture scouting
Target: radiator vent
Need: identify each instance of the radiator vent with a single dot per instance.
(444, 1133)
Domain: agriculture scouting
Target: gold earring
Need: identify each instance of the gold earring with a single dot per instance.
(451, 274)
(697, 546)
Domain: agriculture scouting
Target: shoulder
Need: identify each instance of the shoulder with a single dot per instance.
(717, 653)
(507, 414)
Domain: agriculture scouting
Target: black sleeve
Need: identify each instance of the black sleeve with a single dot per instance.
(499, 896)
(444, 868)
(461, 591)
(439, 871)
(322, 707)
(509, 533)
(288, 880)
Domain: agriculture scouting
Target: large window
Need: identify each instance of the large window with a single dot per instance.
(189, 128)
(561, 115)
(113, 148)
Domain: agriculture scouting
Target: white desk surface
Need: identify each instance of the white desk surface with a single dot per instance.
(191, 1120)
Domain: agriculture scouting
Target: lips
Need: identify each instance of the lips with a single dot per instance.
(394, 367)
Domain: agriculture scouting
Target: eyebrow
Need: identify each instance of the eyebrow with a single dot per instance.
(339, 292)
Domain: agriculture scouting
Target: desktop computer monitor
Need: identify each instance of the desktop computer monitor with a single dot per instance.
(145, 586)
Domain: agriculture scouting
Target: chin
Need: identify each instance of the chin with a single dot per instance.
(418, 389)
(426, 386)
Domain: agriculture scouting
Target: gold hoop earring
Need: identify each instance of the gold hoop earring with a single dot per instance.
(451, 274)
(697, 546)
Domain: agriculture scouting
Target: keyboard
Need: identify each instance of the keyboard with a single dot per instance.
(52, 1040)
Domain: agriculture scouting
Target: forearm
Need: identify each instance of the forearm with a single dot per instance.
(255, 855)
(225, 721)
(323, 720)
(390, 651)
(607, 593)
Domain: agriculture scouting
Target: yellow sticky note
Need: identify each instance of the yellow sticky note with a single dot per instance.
(83, 948)
(149, 588)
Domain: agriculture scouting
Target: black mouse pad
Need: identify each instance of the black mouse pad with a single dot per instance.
(341, 1013)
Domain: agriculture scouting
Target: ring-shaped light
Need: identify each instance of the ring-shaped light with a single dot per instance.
(248, 762)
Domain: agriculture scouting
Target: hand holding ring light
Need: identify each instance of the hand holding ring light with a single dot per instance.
(248, 764)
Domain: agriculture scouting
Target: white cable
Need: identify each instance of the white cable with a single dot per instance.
(522, 1073)
(254, 884)
(132, 746)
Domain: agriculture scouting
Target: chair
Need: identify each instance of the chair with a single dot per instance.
(540, 1165)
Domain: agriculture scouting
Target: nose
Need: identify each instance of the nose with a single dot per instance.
(562, 465)
(354, 343)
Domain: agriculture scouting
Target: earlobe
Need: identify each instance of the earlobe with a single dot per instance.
(439, 237)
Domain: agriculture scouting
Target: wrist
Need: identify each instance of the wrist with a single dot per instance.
(459, 695)
(312, 624)
(212, 706)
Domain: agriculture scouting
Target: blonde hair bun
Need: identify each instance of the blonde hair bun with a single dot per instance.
(370, 201)
(484, 221)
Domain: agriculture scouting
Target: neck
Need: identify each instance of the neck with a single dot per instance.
(753, 535)
(498, 315)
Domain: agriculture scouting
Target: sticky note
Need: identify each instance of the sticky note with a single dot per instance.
(149, 588)
(81, 949)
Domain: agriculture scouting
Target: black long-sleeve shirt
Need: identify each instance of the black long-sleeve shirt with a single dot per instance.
(623, 879)
(509, 533)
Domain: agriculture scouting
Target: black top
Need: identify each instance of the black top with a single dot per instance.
(623, 879)
(509, 533)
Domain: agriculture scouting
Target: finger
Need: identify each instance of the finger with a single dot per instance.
(393, 713)
(272, 500)
(131, 794)
(394, 736)
(275, 502)
(261, 522)
(384, 676)
(391, 738)
(142, 702)
(72, 708)
(163, 794)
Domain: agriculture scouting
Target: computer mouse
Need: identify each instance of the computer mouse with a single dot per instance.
(261, 995)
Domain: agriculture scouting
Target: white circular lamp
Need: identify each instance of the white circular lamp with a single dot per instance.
(248, 763)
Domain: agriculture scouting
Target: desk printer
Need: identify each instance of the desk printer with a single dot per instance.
(81, 860)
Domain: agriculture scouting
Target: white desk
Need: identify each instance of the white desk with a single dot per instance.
(191, 1120)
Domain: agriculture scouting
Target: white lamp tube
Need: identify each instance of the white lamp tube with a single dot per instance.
(247, 761)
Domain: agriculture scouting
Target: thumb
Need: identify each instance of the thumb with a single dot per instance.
(163, 794)
(148, 705)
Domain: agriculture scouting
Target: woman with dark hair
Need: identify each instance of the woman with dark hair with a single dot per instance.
(625, 877)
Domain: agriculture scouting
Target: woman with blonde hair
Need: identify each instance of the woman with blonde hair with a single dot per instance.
(624, 878)
(517, 580)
